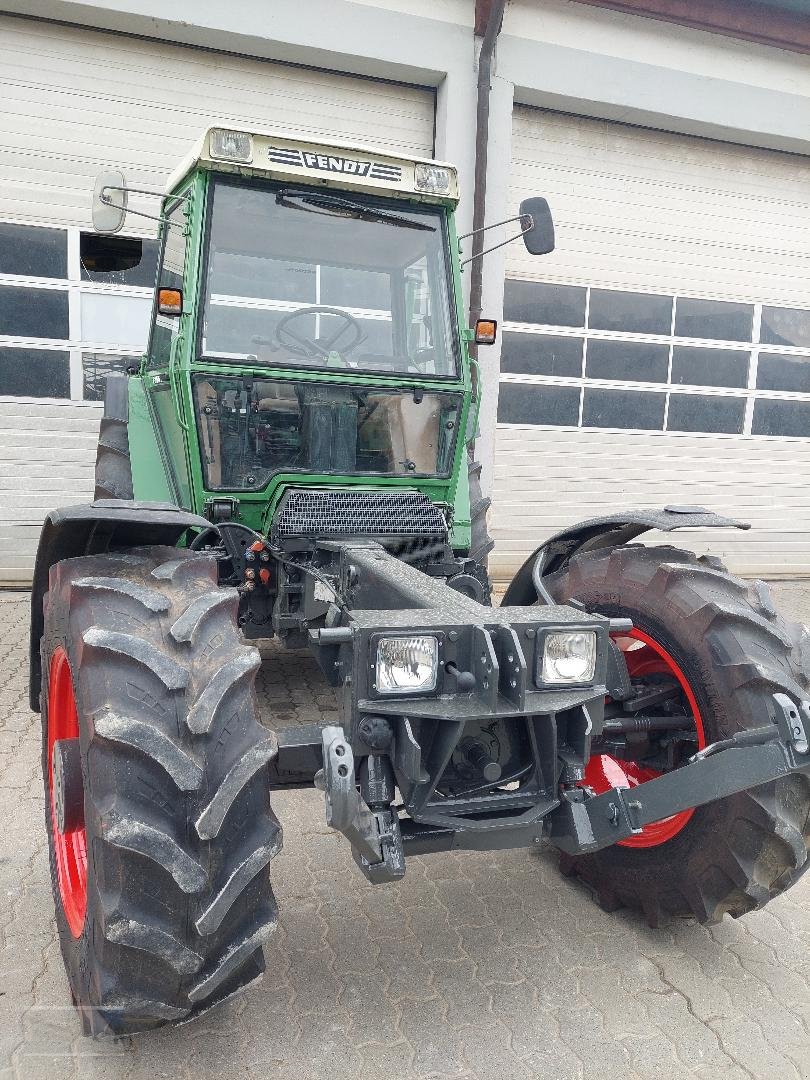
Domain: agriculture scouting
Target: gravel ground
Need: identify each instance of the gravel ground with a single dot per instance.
(476, 966)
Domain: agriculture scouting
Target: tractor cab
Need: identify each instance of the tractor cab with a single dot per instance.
(308, 328)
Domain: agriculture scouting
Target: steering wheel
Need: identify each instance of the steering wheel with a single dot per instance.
(310, 348)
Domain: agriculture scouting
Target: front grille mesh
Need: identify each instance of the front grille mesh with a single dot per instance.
(358, 513)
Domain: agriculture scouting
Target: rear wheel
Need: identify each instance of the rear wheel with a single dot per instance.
(708, 650)
(113, 467)
(158, 814)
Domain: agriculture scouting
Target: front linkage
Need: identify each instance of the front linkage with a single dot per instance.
(579, 821)
(747, 760)
(490, 684)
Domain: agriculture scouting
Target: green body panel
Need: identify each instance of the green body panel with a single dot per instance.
(163, 431)
(149, 478)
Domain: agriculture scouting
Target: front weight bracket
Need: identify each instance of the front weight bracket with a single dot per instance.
(375, 837)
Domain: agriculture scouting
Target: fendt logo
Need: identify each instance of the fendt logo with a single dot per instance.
(307, 159)
(337, 164)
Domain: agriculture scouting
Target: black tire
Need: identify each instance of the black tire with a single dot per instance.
(113, 467)
(481, 543)
(735, 650)
(176, 801)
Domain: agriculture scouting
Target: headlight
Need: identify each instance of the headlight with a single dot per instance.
(231, 145)
(433, 178)
(569, 656)
(407, 665)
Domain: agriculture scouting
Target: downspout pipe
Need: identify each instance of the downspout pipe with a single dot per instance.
(485, 59)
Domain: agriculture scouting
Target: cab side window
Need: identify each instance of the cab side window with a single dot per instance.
(170, 276)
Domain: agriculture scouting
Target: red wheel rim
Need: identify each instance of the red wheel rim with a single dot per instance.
(604, 771)
(70, 848)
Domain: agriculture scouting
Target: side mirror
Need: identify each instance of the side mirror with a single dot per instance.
(109, 202)
(538, 235)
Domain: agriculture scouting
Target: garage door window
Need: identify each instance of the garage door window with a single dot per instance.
(67, 299)
(34, 373)
(618, 359)
(27, 252)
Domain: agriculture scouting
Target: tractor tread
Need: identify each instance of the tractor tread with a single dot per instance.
(180, 567)
(185, 628)
(210, 821)
(113, 472)
(143, 1008)
(481, 543)
(151, 599)
(735, 855)
(171, 674)
(154, 743)
(240, 876)
(151, 939)
(203, 712)
(232, 960)
(172, 736)
(250, 975)
(157, 845)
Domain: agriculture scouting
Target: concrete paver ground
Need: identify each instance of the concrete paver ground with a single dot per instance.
(483, 966)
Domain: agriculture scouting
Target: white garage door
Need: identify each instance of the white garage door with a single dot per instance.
(662, 354)
(71, 103)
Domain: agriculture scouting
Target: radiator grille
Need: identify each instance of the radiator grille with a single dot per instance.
(358, 513)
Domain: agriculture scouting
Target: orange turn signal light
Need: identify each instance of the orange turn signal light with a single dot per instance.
(486, 331)
(170, 302)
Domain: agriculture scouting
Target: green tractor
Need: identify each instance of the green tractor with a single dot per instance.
(291, 459)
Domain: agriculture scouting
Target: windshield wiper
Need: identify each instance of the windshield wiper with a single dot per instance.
(333, 206)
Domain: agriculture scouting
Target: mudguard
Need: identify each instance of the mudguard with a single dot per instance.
(92, 528)
(613, 530)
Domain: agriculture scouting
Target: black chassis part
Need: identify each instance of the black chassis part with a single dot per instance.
(580, 824)
(497, 649)
(488, 659)
(760, 755)
(90, 529)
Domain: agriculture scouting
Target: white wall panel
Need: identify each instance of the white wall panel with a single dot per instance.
(657, 212)
(546, 479)
(47, 452)
(646, 209)
(75, 101)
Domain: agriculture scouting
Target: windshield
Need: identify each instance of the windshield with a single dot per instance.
(252, 428)
(301, 277)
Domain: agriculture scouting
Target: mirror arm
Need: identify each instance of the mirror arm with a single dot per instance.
(503, 243)
(107, 200)
(494, 225)
(139, 213)
(146, 191)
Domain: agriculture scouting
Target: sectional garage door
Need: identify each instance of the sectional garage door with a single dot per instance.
(662, 354)
(71, 103)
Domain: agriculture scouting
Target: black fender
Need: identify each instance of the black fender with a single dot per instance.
(613, 530)
(90, 529)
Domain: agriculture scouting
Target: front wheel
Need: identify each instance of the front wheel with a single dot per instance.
(157, 801)
(708, 650)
